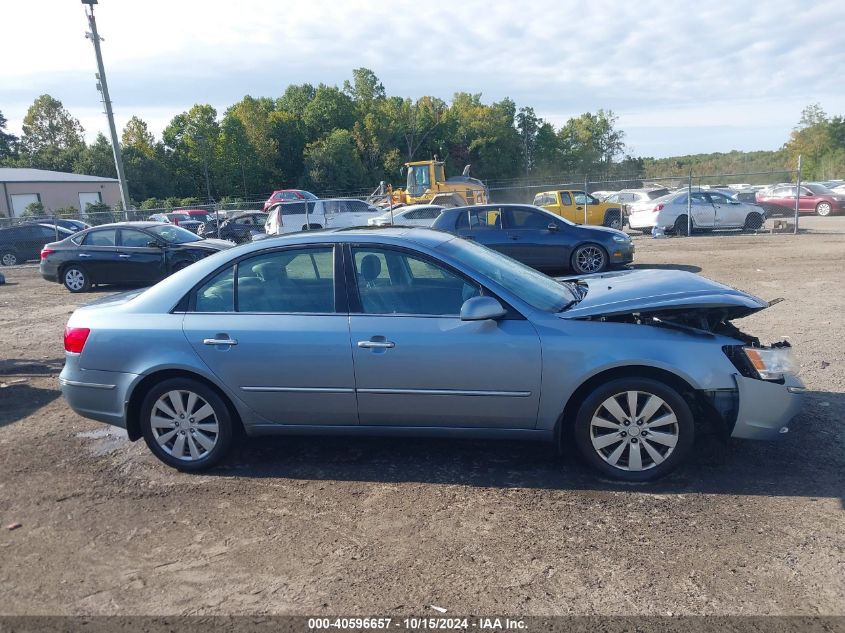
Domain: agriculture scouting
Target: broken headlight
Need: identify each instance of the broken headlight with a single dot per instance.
(771, 363)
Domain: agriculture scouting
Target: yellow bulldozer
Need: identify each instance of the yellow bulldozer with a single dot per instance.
(427, 184)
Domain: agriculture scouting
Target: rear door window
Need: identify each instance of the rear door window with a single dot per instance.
(101, 237)
(480, 219)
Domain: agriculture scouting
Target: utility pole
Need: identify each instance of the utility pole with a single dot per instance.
(103, 87)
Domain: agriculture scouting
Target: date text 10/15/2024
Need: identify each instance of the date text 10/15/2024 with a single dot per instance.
(417, 623)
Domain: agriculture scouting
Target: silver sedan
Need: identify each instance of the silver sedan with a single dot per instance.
(408, 331)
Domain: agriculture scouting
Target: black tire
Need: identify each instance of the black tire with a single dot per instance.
(311, 227)
(9, 257)
(647, 231)
(753, 221)
(613, 219)
(683, 430)
(824, 209)
(589, 258)
(75, 278)
(222, 440)
(680, 227)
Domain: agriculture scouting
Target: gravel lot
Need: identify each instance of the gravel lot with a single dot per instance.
(389, 527)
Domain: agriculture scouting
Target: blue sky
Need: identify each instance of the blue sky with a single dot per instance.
(683, 77)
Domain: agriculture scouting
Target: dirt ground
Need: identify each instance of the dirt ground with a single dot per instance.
(390, 527)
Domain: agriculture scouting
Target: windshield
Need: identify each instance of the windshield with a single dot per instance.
(418, 180)
(819, 190)
(532, 287)
(173, 234)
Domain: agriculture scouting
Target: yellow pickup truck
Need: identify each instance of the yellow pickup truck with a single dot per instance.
(571, 203)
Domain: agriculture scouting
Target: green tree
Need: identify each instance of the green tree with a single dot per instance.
(33, 210)
(190, 141)
(330, 109)
(136, 134)
(295, 99)
(52, 138)
(528, 124)
(96, 159)
(332, 164)
(8, 142)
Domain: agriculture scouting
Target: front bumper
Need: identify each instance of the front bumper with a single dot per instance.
(621, 254)
(766, 408)
(99, 395)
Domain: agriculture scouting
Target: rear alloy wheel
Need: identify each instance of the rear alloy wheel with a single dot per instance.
(9, 258)
(753, 221)
(76, 279)
(634, 429)
(681, 227)
(614, 220)
(186, 424)
(589, 258)
(824, 209)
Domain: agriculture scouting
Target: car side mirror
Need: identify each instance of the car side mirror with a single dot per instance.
(553, 227)
(482, 309)
(154, 244)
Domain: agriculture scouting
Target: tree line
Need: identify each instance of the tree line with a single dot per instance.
(347, 139)
(327, 139)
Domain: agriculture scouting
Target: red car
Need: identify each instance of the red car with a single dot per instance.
(286, 195)
(815, 198)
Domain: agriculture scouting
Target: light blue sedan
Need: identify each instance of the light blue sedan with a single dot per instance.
(409, 331)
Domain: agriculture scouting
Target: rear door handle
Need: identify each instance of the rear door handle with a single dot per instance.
(377, 344)
(84, 255)
(124, 256)
(514, 237)
(219, 341)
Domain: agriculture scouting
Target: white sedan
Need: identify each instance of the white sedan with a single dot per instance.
(412, 215)
(709, 210)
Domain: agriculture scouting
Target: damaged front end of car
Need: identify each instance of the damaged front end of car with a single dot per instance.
(767, 393)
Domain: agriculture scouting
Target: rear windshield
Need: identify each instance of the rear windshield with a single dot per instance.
(657, 193)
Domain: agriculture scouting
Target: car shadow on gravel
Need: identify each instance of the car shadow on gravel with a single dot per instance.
(31, 367)
(684, 267)
(19, 400)
(807, 462)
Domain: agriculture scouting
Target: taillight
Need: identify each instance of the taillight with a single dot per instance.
(658, 208)
(46, 251)
(75, 338)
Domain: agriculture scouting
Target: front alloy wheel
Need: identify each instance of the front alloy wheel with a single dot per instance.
(823, 209)
(186, 424)
(634, 429)
(589, 258)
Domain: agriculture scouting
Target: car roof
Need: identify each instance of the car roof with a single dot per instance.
(138, 224)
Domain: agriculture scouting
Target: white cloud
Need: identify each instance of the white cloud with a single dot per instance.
(687, 66)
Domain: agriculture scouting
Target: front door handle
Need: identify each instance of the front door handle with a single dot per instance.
(513, 237)
(124, 256)
(84, 255)
(377, 344)
(219, 341)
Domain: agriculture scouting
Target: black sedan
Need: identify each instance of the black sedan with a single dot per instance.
(539, 238)
(238, 228)
(135, 253)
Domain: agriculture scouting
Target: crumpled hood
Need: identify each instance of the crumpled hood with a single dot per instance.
(644, 291)
(210, 244)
